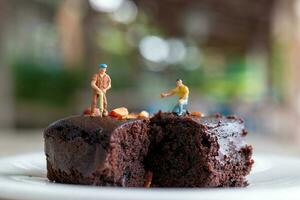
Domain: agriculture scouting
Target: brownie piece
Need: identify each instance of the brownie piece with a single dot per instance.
(96, 151)
(180, 151)
(188, 151)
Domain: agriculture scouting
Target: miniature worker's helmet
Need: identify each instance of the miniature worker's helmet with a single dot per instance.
(102, 66)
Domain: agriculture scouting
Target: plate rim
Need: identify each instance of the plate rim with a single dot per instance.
(14, 190)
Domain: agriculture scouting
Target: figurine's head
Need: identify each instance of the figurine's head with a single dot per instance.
(102, 68)
(178, 82)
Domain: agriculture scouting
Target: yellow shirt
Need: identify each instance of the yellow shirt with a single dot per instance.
(181, 91)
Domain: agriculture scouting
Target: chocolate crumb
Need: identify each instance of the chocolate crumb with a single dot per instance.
(244, 132)
(232, 117)
(217, 115)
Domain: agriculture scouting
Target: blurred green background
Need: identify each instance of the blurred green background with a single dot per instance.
(237, 57)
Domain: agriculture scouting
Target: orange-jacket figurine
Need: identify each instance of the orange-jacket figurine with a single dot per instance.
(100, 83)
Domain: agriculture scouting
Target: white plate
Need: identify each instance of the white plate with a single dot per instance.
(24, 177)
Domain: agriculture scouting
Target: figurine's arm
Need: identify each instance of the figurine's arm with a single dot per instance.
(94, 86)
(109, 84)
(167, 94)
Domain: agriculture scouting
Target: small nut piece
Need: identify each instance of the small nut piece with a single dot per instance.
(132, 116)
(143, 115)
(197, 114)
(148, 179)
(119, 113)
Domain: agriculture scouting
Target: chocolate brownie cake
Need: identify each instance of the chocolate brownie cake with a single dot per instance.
(97, 151)
(179, 151)
(198, 152)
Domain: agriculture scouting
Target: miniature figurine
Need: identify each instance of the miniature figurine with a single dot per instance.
(100, 83)
(182, 92)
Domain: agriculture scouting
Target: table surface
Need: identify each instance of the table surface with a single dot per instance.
(20, 141)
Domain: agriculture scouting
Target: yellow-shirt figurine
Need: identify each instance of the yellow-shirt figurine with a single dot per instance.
(182, 92)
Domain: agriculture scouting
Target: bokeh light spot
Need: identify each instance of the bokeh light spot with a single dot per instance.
(105, 5)
(177, 51)
(154, 48)
(126, 13)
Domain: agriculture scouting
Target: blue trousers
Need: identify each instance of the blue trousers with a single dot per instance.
(180, 108)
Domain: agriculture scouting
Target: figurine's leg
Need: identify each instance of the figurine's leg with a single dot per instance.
(105, 112)
(94, 104)
(185, 106)
(176, 108)
(180, 106)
